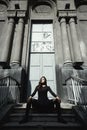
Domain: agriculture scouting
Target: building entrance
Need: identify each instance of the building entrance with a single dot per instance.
(42, 56)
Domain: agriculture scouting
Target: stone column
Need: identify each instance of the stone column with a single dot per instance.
(65, 43)
(75, 42)
(7, 42)
(17, 47)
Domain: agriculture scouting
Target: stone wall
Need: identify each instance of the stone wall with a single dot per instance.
(69, 21)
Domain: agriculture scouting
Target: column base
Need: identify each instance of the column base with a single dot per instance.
(15, 65)
(68, 64)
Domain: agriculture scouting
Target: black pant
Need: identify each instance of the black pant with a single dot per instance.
(43, 107)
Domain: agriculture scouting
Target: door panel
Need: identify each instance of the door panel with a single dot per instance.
(44, 64)
(35, 70)
(35, 64)
(49, 70)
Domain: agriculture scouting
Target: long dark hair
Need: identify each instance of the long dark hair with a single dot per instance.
(40, 84)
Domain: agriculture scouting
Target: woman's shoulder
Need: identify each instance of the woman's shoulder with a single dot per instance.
(37, 86)
(48, 87)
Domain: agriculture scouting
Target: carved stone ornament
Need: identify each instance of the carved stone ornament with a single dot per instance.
(11, 13)
(42, 8)
(3, 7)
(21, 13)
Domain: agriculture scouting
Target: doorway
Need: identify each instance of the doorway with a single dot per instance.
(42, 56)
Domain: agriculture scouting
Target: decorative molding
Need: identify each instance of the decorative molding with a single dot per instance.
(49, 3)
(67, 14)
(21, 13)
(17, 8)
(14, 13)
(11, 13)
(3, 9)
(6, 2)
(42, 8)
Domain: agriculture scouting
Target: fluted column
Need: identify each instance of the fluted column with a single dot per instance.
(17, 47)
(65, 43)
(75, 42)
(7, 41)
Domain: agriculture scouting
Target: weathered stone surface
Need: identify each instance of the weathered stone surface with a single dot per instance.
(74, 38)
(14, 73)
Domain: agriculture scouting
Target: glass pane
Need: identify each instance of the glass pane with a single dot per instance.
(36, 46)
(42, 38)
(42, 47)
(42, 27)
(47, 36)
(37, 28)
(47, 27)
(37, 36)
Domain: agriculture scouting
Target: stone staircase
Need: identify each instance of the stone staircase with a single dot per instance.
(41, 121)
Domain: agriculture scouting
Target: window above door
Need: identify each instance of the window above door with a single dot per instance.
(42, 38)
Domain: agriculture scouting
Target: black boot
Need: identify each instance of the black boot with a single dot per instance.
(25, 118)
(59, 117)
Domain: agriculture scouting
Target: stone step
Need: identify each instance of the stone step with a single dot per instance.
(46, 121)
(41, 114)
(22, 110)
(43, 117)
(63, 105)
(41, 125)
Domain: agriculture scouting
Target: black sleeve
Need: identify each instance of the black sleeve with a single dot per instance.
(50, 90)
(34, 92)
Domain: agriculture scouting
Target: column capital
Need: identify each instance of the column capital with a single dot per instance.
(62, 20)
(11, 20)
(21, 20)
(72, 20)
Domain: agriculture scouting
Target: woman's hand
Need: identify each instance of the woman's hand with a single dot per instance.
(58, 99)
(29, 98)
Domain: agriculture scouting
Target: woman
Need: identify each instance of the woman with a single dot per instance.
(43, 104)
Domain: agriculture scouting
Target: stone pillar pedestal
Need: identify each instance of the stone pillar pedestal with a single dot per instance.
(65, 43)
(76, 46)
(17, 49)
(7, 42)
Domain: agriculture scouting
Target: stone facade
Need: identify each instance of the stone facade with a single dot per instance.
(69, 22)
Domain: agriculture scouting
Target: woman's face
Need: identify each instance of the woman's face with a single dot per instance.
(42, 80)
